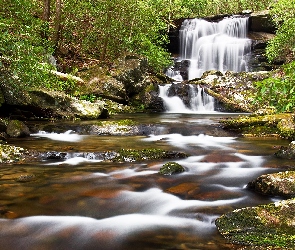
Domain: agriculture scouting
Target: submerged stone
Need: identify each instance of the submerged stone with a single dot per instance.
(271, 225)
(170, 168)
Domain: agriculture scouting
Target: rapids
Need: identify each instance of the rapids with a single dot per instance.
(81, 202)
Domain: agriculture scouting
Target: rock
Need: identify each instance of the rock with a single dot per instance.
(26, 178)
(286, 152)
(264, 226)
(60, 105)
(277, 184)
(261, 22)
(286, 127)
(232, 90)
(17, 128)
(132, 155)
(10, 154)
(256, 125)
(3, 126)
(171, 168)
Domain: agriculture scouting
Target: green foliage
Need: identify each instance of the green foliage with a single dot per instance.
(278, 91)
(283, 45)
(23, 61)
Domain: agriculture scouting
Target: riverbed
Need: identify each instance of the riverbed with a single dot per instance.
(82, 202)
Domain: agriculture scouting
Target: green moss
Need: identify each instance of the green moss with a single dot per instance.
(131, 155)
(125, 122)
(267, 225)
(170, 168)
(261, 125)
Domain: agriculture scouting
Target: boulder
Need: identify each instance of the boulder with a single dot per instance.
(60, 105)
(286, 152)
(171, 168)
(261, 22)
(269, 226)
(276, 184)
(17, 129)
(232, 90)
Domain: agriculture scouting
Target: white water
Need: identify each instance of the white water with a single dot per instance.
(200, 102)
(129, 205)
(214, 46)
(68, 136)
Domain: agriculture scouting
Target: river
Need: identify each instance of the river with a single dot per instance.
(85, 203)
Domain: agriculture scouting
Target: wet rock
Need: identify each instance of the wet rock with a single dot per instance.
(271, 225)
(277, 184)
(286, 152)
(17, 128)
(232, 90)
(132, 155)
(171, 168)
(257, 125)
(122, 127)
(56, 155)
(9, 154)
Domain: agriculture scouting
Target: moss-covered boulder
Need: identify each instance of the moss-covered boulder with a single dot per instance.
(17, 128)
(276, 184)
(132, 155)
(264, 226)
(261, 125)
(233, 90)
(59, 105)
(171, 168)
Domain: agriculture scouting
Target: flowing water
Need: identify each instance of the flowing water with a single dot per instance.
(200, 101)
(81, 202)
(204, 46)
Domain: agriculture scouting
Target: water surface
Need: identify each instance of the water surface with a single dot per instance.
(84, 203)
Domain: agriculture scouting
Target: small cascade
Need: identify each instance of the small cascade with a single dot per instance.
(199, 100)
(219, 45)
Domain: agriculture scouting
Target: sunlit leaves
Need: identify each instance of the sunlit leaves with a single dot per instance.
(278, 91)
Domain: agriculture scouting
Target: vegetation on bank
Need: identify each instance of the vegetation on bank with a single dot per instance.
(278, 91)
(82, 33)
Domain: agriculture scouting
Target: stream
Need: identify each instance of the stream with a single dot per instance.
(84, 203)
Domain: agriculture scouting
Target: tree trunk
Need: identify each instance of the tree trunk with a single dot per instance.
(46, 19)
(57, 28)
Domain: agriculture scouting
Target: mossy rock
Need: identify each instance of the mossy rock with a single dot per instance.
(276, 184)
(132, 155)
(259, 125)
(170, 168)
(17, 128)
(286, 152)
(271, 225)
(10, 154)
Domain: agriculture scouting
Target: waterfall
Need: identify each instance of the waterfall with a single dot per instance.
(214, 46)
(199, 100)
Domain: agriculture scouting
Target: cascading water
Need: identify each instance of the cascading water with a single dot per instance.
(199, 100)
(207, 46)
(214, 46)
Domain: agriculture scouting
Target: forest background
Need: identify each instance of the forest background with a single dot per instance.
(79, 33)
